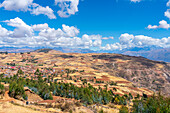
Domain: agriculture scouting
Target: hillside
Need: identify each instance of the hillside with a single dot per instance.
(140, 71)
(55, 81)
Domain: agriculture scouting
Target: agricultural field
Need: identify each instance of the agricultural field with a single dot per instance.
(51, 81)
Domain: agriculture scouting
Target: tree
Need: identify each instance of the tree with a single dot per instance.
(137, 97)
(37, 72)
(106, 86)
(153, 104)
(20, 72)
(114, 89)
(84, 81)
(130, 95)
(145, 96)
(2, 89)
(16, 89)
(12, 87)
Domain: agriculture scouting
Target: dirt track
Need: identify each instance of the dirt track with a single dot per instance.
(7, 98)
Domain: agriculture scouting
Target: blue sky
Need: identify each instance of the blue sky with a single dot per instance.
(88, 23)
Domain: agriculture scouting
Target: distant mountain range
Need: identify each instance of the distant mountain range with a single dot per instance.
(157, 54)
(153, 53)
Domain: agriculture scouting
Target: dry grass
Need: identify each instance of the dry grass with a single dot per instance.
(7, 107)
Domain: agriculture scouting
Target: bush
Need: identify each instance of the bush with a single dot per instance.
(77, 103)
(66, 107)
(101, 111)
(123, 109)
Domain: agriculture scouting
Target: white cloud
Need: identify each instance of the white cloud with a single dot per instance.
(27, 5)
(152, 27)
(106, 38)
(16, 5)
(162, 24)
(68, 7)
(92, 40)
(167, 13)
(21, 28)
(70, 31)
(135, 1)
(24, 35)
(37, 10)
(51, 33)
(66, 31)
(67, 36)
(130, 41)
(40, 27)
(3, 32)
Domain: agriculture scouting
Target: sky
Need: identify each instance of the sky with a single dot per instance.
(86, 24)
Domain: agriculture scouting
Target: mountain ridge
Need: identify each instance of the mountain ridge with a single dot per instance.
(158, 54)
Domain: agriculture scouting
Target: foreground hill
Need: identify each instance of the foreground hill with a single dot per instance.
(51, 81)
(136, 71)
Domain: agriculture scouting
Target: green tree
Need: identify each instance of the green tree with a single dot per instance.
(16, 89)
(20, 72)
(2, 89)
(154, 104)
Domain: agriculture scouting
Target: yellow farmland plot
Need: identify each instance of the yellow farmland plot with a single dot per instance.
(159, 66)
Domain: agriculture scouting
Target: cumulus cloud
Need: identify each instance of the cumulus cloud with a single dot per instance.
(66, 31)
(66, 36)
(51, 33)
(21, 28)
(68, 7)
(41, 35)
(167, 13)
(37, 10)
(70, 31)
(162, 24)
(27, 5)
(130, 41)
(3, 32)
(16, 5)
(39, 27)
(135, 1)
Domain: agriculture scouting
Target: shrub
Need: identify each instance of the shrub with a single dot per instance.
(123, 109)
(101, 111)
